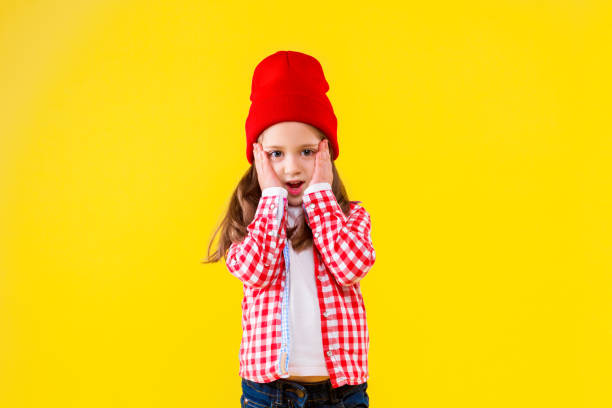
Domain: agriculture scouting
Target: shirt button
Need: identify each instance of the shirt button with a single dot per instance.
(316, 234)
(312, 206)
(330, 353)
(272, 206)
(325, 314)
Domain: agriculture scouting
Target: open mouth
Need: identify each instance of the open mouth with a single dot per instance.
(294, 188)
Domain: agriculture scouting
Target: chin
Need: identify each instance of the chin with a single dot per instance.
(295, 201)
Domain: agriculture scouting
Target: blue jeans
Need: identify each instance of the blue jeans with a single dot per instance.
(283, 393)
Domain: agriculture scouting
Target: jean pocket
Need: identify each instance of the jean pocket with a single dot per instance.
(254, 398)
(357, 398)
(247, 403)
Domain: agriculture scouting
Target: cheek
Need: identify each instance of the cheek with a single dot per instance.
(311, 167)
(309, 174)
(276, 168)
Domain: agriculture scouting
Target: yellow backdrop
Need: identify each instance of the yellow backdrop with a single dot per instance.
(477, 134)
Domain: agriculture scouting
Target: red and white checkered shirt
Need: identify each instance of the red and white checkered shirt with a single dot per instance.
(343, 255)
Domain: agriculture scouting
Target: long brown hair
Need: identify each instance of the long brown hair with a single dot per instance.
(243, 205)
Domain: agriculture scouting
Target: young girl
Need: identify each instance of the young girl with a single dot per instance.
(299, 247)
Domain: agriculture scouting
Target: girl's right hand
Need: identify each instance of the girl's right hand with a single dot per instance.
(265, 173)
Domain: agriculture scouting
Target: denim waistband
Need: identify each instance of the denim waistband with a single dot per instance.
(300, 391)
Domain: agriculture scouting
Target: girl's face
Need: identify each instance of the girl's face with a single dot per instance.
(291, 148)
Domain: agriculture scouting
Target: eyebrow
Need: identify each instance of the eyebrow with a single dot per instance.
(281, 147)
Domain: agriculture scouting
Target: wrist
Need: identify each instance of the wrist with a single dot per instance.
(323, 185)
(274, 190)
(312, 183)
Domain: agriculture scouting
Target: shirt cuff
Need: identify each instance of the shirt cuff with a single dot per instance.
(270, 191)
(317, 187)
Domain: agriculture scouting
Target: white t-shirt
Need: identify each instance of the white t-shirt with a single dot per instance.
(306, 344)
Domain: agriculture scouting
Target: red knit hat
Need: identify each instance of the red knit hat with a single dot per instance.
(289, 86)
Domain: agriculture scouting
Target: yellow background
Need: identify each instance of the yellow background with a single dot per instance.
(476, 134)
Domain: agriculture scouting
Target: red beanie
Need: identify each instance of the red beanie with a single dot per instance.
(289, 86)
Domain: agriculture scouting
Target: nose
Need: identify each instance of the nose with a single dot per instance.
(292, 164)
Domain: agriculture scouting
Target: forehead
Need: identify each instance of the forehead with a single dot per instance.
(290, 134)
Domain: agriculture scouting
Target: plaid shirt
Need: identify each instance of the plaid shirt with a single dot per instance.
(343, 255)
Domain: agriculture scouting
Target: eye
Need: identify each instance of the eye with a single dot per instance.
(271, 153)
(309, 150)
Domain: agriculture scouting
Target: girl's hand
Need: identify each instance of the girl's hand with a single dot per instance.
(323, 167)
(265, 173)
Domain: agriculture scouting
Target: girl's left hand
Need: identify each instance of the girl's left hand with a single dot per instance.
(323, 167)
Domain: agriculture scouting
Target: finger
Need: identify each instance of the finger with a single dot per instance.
(323, 147)
(257, 158)
(264, 158)
(265, 161)
(270, 170)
